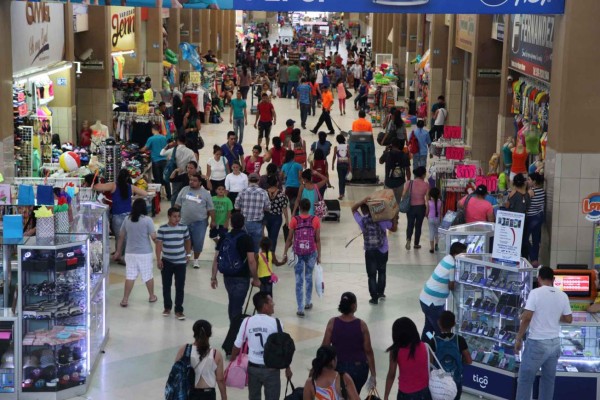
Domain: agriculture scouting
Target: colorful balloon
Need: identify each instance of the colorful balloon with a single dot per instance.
(69, 161)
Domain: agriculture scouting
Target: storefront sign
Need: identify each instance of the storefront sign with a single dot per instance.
(508, 236)
(487, 381)
(38, 35)
(590, 206)
(465, 32)
(498, 27)
(377, 6)
(531, 39)
(122, 28)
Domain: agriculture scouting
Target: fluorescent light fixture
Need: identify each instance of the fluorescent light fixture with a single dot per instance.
(50, 71)
(122, 53)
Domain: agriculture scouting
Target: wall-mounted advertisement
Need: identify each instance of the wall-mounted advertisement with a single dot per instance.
(465, 32)
(498, 27)
(378, 6)
(122, 28)
(531, 39)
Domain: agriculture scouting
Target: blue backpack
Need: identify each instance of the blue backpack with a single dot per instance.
(448, 352)
(229, 261)
(369, 75)
(181, 378)
(326, 81)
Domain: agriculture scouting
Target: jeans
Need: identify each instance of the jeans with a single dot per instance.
(255, 230)
(533, 227)
(305, 267)
(283, 86)
(424, 394)
(158, 169)
(326, 118)
(273, 223)
(376, 263)
(419, 161)
(203, 394)
(432, 315)
(304, 111)
(238, 129)
(291, 89)
(358, 371)
(436, 132)
(360, 101)
(434, 224)
(117, 222)
(169, 270)
(415, 216)
(342, 169)
(292, 195)
(267, 377)
(313, 105)
(215, 185)
(538, 354)
(237, 288)
(198, 233)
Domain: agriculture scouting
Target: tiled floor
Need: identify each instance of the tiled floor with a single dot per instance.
(143, 344)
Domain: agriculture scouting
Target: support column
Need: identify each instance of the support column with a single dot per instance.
(196, 23)
(505, 118)
(455, 68)
(411, 50)
(402, 39)
(388, 24)
(204, 31)
(154, 45)
(214, 29)
(396, 26)
(421, 34)
(174, 32)
(438, 51)
(6, 113)
(186, 34)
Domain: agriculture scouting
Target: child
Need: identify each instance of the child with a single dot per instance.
(266, 259)
(223, 208)
(451, 349)
(433, 211)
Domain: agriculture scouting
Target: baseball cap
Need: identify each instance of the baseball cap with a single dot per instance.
(253, 177)
(290, 122)
(481, 190)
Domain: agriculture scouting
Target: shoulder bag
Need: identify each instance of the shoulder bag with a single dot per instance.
(170, 167)
(236, 374)
(441, 383)
(404, 205)
(461, 213)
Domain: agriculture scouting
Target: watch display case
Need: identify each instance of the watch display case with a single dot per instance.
(488, 298)
(476, 235)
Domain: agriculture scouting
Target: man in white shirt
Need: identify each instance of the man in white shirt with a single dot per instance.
(545, 309)
(255, 330)
(357, 72)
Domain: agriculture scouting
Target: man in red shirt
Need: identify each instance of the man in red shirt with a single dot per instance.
(286, 134)
(265, 119)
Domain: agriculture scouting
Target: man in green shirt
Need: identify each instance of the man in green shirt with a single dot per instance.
(293, 77)
(238, 116)
(223, 207)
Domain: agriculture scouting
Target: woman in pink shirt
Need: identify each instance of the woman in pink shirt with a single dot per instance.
(477, 208)
(418, 189)
(341, 93)
(409, 355)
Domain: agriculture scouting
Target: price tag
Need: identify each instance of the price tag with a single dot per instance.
(491, 182)
(455, 153)
(452, 132)
(466, 171)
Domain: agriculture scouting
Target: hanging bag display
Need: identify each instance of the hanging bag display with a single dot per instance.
(45, 195)
(5, 194)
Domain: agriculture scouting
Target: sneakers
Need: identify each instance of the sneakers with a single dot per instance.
(436, 247)
(407, 247)
(382, 297)
(166, 312)
(417, 246)
(374, 301)
(300, 314)
(196, 264)
(180, 316)
(314, 131)
(308, 306)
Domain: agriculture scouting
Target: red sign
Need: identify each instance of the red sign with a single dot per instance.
(572, 283)
(455, 153)
(452, 132)
(490, 182)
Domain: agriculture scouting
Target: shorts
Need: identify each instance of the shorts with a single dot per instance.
(264, 130)
(138, 264)
(197, 234)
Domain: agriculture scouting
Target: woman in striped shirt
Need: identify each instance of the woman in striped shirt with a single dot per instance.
(534, 217)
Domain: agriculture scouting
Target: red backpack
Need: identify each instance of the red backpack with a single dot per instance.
(413, 143)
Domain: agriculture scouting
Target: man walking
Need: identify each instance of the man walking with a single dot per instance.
(253, 202)
(283, 78)
(265, 118)
(173, 248)
(376, 247)
(238, 116)
(236, 283)
(545, 309)
(183, 155)
(303, 101)
(232, 150)
(327, 100)
(256, 330)
(293, 76)
(196, 206)
(155, 144)
(361, 124)
(420, 158)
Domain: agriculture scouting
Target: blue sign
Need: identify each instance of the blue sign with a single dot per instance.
(491, 382)
(377, 6)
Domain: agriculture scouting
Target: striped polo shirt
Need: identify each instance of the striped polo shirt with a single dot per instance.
(436, 289)
(173, 238)
(537, 202)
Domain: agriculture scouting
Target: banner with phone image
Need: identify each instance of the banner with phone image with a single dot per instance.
(508, 236)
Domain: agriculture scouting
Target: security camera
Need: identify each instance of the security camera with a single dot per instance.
(510, 78)
(86, 55)
(78, 75)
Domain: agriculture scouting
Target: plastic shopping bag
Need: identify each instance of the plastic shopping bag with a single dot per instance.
(319, 283)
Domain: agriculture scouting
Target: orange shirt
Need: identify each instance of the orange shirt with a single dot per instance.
(362, 125)
(327, 99)
(519, 162)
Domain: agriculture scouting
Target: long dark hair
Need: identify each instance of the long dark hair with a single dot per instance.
(398, 121)
(347, 301)
(324, 358)
(404, 334)
(123, 183)
(289, 156)
(138, 208)
(202, 333)
(434, 193)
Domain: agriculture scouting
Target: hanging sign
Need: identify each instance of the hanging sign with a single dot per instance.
(38, 35)
(508, 236)
(195, 78)
(455, 153)
(531, 40)
(465, 32)
(498, 27)
(377, 6)
(590, 206)
(490, 182)
(122, 28)
(452, 132)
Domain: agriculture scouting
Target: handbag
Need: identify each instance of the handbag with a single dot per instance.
(320, 206)
(170, 166)
(348, 94)
(25, 195)
(373, 394)
(297, 393)
(319, 282)
(441, 383)
(461, 213)
(404, 205)
(274, 277)
(236, 374)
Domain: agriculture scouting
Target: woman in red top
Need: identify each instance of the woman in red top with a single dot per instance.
(319, 164)
(409, 355)
(253, 163)
(519, 160)
(416, 214)
(277, 152)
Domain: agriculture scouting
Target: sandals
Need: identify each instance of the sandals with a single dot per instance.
(123, 304)
(153, 299)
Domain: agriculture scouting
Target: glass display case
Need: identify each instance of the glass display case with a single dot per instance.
(488, 298)
(476, 235)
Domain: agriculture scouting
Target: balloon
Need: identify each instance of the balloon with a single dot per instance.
(171, 56)
(167, 64)
(190, 54)
(69, 161)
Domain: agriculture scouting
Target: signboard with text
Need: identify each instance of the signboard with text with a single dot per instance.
(122, 28)
(465, 32)
(531, 40)
(508, 236)
(377, 6)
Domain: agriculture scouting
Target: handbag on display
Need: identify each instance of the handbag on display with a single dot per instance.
(404, 205)
(5, 194)
(441, 383)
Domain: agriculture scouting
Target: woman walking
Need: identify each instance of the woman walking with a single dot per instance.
(278, 211)
(341, 153)
(341, 93)
(350, 336)
(216, 170)
(324, 382)
(245, 79)
(319, 164)
(535, 217)
(138, 252)
(192, 126)
(433, 211)
(207, 362)
(309, 190)
(290, 175)
(416, 214)
(235, 182)
(409, 355)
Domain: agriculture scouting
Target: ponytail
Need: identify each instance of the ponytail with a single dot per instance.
(202, 333)
(325, 355)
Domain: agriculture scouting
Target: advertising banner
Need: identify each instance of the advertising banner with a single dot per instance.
(508, 236)
(498, 27)
(531, 39)
(38, 35)
(465, 32)
(122, 28)
(377, 6)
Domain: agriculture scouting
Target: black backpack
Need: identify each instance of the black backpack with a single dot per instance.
(279, 349)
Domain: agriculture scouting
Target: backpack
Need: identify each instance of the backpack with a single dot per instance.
(369, 75)
(373, 235)
(299, 153)
(448, 352)
(413, 143)
(279, 349)
(326, 81)
(304, 239)
(229, 261)
(181, 378)
(398, 171)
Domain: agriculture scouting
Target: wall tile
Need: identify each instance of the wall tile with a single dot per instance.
(584, 238)
(555, 212)
(567, 238)
(567, 215)
(569, 189)
(584, 257)
(571, 166)
(590, 166)
(566, 257)
(553, 256)
(588, 186)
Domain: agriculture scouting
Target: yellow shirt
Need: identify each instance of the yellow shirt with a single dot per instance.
(263, 271)
(362, 125)
(327, 99)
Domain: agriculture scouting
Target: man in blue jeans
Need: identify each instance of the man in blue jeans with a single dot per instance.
(546, 308)
(253, 202)
(420, 158)
(437, 289)
(237, 285)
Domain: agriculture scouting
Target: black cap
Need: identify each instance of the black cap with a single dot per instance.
(481, 190)
(290, 122)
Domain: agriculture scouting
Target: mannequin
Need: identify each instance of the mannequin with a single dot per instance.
(507, 149)
(494, 163)
(519, 156)
(85, 134)
(99, 133)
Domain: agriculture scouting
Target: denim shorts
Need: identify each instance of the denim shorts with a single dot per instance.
(198, 232)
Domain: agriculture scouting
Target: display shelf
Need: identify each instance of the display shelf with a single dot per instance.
(484, 286)
(476, 235)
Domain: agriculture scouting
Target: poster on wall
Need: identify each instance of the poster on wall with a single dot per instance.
(122, 28)
(508, 236)
(378, 6)
(38, 35)
(465, 32)
(498, 27)
(531, 39)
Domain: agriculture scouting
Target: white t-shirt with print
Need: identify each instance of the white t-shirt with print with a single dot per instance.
(548, 305)
(259, 328)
